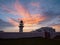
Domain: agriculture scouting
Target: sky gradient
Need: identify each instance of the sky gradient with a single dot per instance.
(34, 13)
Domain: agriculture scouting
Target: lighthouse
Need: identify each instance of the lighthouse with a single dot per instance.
(21, 25)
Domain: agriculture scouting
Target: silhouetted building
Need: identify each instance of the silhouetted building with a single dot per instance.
(1, 31)
(47, 31)
(57, 35)
(21, 25)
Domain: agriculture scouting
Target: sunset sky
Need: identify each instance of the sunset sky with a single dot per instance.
(34, 13)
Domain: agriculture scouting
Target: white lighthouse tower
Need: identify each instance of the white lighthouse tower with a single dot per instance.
(21, 25)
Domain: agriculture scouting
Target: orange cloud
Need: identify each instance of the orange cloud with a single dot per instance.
(57, 27)
(34, 19)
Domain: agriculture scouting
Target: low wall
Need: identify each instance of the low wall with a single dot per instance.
(20, 35)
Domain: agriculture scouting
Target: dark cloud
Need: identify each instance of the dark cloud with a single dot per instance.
(4, 24)
(52, 18)
(51, 13)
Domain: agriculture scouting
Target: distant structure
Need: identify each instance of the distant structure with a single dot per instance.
(21, 25)
(43, 29)
(1, 31)
(47, 31)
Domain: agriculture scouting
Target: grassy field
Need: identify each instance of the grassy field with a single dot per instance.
(29, 41)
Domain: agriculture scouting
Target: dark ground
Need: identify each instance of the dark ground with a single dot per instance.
(30, 41)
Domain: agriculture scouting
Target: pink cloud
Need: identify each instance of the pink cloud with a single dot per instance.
(10, 20)
(21, 10)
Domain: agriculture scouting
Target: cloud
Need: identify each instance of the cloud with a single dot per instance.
(51, 13)
(27, 17)
(24, 13)
(8, 10)
(21, 10)
(57, 27)
(12, 21)
(4, 24)
(35, 4)
(35, 19)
